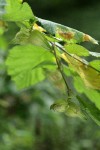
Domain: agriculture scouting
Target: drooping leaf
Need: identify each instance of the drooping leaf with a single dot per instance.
(65, 33)
(76, 49)
(90, 109)
(16, 11)
(95, 64)
(89, 75)
(34, 37)
(25, 64)
(93, 95)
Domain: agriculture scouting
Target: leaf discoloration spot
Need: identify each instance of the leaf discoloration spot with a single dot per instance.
(67, 35)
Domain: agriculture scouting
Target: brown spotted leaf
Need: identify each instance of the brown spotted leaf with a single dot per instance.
(65, 33)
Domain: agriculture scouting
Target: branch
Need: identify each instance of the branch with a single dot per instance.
(60, 69)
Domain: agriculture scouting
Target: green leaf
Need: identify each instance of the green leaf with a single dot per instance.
(95, 64)
(93, 95)
(25, 64)
(79, 84)
(3, 44)
(15, 11)
(91, 110)
(34, 37)
(65, 33)
(77, 50)
(67, 71)
(89, 75)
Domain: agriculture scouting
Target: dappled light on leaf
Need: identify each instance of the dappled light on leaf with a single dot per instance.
(88, 38)
(95, 64)
(15, 11)
(90, 76)
(65, 33)
(93, 95)
(90, 109)
(36, 27)
(76, 49)
(24, 37)
(40, 49)
(25, 64)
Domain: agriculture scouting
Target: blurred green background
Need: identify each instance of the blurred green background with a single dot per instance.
(26, 121)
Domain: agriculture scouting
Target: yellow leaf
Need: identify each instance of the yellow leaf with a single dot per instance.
(36, 27)
(88, 38)
(90, 76)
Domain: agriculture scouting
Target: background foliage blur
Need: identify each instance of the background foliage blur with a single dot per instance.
(26, 122)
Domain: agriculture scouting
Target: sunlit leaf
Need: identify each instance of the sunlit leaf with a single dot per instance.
(90, 76)
(90, 109)
(95, 64)
(93, 95)
(34, 37)
(36, 27)
(25, 64)
(77, 49)
(3, 44)
(15, 11)
(65, 33)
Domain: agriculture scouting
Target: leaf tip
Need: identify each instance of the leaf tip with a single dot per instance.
(88, 38)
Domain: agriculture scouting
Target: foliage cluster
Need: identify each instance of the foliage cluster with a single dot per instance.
(43, 47)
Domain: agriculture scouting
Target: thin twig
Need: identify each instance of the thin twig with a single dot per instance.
(76, 58)
(60, 69)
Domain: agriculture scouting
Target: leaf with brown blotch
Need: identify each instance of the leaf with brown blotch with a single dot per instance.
(64, 33)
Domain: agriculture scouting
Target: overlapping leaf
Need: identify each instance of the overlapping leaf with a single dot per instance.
(15, 11)
(25, 64)
(90, 109)
(95, 64)
(90, 76)
(37, 36)
(34, 37)
(93, 95)
(77, 49)
(65, 33)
